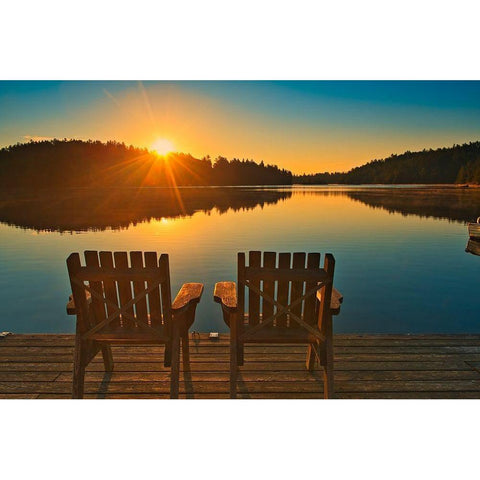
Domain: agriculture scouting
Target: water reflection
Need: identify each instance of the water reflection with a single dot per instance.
(399, 272)
(455, 204)
(97, 210)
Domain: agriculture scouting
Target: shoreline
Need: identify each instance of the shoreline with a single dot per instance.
(40, 189)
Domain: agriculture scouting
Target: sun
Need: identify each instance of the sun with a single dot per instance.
(162, 146)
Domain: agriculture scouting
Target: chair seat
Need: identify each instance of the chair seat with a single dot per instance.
(280, 335)
(124, 335)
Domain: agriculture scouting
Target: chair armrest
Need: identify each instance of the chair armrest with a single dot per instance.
(71, 309)
(225, 293)
(335, 301)
(188, 295)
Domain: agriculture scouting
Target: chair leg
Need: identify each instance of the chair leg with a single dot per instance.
(174, 370)
(234, 354)
(107, 358)
(328, 370)
(185, 351)
(78, 370)
(233, 370)
(167, 360)
(240, 355)
(310, 361)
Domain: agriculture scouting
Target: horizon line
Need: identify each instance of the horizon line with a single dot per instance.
(40, 139)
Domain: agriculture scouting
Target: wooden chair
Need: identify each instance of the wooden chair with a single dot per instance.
(108, 313)
(288, 302)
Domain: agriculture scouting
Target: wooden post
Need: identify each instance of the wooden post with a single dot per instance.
(240, 316)
(167, 358)
(328, 367)
(174, 371)
(233, 355)
(326, 326)
(166, 296)
(78, 369)
(310, 361)
(80, 299)
(185, 344)
(107, 358)
(313, 263)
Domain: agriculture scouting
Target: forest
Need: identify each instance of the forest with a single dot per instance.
(93, 164)
(78, 163)
(456, 164)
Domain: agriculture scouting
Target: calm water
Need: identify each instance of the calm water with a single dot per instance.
(400, 252)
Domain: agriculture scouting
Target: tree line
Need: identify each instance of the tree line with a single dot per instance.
(78, 163)
(456, 164)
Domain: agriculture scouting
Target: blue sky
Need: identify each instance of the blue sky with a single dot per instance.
(303, 126)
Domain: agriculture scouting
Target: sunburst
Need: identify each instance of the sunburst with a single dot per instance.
(162, 146)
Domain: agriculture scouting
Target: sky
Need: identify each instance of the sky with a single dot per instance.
(304, 126)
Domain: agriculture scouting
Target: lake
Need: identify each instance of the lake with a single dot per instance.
(400, 251)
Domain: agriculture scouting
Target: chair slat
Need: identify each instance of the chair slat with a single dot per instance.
(254, 260)
(91, 259)
(136, 259)
(239, 319)
(269, 259)
(241, 287)
(109, 280)
(166, 292)
(298, 280)
(154, 296)
(79, 293)
(124, 287)
(127, 275)
(324, 314)
(109, 287)
(290, 275)
(313, 263)
(297, 287)
(283, 286)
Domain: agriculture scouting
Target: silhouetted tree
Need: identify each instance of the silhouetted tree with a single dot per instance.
(457, 164)
(78, 163)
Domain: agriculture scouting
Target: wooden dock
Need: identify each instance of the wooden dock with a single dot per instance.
(366, 366)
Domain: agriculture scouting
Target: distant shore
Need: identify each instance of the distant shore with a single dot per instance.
(387, 185)
(78, 163)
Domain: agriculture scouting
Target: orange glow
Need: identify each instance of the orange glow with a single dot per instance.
(162, 146)
(204, 125)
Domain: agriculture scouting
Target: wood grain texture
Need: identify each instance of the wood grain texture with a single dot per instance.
(254, 261)
(298, 286)
(225, 293)
(189, 293)
(335, 301)
(141, 313)
(291, 313)
(283, 291)
(366, 366)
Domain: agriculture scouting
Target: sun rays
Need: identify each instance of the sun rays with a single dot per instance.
(162, 146)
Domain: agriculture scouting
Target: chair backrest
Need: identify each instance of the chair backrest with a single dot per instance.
(281, 290)
(123, 295)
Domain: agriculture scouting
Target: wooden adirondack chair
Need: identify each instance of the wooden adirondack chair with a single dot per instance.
(106, 317)
(288, 302)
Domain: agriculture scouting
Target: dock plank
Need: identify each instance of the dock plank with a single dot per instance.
(366, 366)
(163, 387)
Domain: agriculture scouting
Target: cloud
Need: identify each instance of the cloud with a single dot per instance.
(36, 138)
